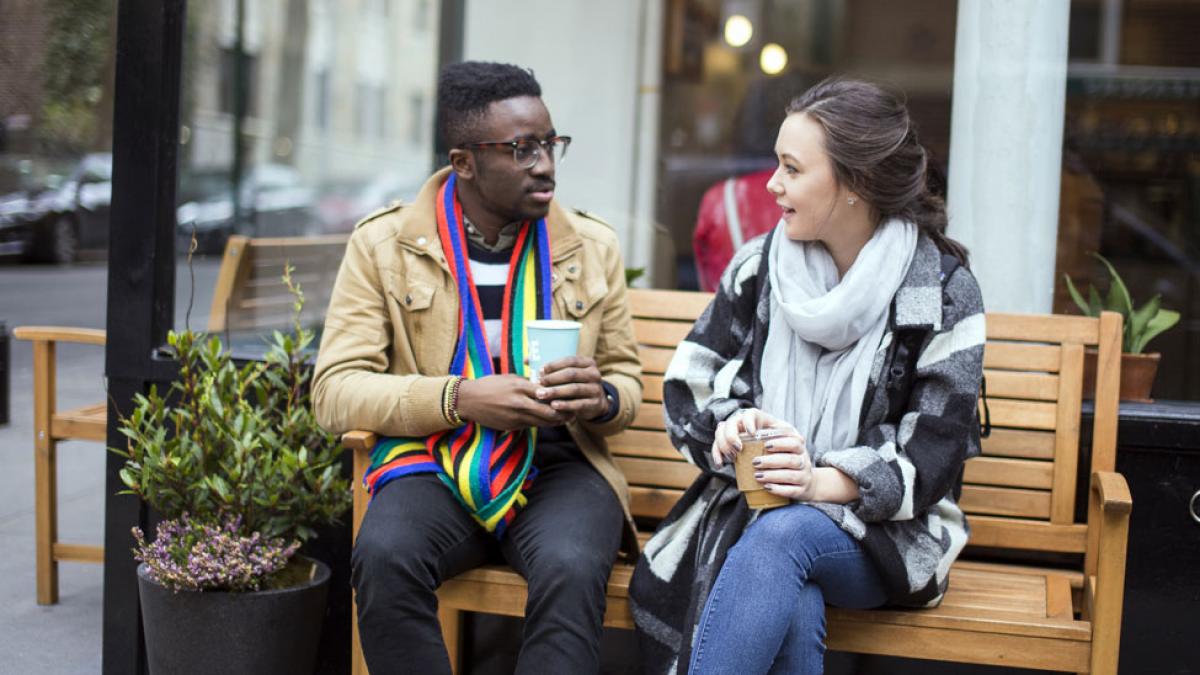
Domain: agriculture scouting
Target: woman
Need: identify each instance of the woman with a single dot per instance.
(856, 329)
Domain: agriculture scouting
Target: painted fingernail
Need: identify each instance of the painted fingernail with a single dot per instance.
(758, 475)
(768, 445)
(757, 461)
(768, 487)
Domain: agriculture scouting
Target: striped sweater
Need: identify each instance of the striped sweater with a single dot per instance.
(919, 425)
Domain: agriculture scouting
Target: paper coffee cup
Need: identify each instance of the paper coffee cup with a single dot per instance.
(550, 340)
(754, 445)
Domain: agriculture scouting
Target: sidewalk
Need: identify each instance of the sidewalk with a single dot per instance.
(63, 638)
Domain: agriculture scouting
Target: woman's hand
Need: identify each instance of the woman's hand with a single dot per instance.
(726, 443)
(786, 469)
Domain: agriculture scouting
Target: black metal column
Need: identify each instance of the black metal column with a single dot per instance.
(141, 278)
(451, 28)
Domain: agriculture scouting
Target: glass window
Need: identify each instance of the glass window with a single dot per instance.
(730, 69)
(333, 127)
(1131, 167)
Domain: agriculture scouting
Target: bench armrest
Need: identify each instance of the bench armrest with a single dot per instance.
(360, 443)
(1108, 523)
(359, 440)
(89, 336)
(1113, 492)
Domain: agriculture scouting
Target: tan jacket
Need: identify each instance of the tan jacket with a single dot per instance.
(390, 330)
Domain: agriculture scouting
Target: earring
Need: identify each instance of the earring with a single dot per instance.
(851, 201)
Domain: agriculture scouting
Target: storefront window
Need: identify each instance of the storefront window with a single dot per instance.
(1131, 167)
(333, 104)
(730, 69)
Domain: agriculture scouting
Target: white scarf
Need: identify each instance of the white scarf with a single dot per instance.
(823, 334)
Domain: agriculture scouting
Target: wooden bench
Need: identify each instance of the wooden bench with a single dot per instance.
(249, 295)
(1020, 496)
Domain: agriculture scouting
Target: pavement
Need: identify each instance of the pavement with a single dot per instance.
(63, 638)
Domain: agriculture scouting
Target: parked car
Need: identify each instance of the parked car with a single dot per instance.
(275, 200)
(343, 204)
(51, 209)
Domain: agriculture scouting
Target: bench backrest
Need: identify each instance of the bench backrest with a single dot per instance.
(250, 294)
(1020, 494)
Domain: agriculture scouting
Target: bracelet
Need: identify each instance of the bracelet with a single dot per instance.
(450, 402)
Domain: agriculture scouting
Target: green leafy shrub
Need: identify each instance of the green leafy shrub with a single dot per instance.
(1141, 324)
(240, 443)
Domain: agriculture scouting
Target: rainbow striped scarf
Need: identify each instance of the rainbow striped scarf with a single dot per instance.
(487, 470)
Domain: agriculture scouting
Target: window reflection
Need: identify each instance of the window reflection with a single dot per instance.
(1131, 166)
(334, 114)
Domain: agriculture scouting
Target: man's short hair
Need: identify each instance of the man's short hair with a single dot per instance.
(466, 89)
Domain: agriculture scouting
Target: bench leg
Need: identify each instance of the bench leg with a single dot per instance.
(451, 620)
(46, 520)
(45, 478)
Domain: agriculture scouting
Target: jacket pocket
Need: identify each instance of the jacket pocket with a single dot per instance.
(580, 299)
(412, 297)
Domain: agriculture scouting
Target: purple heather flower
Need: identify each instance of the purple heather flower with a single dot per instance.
(196, 556)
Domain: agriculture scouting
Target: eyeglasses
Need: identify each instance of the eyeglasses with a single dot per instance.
(527, 151)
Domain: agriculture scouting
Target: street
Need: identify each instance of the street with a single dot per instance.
(64, 638)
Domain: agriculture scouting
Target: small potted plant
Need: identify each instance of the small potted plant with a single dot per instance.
(234, 462)
(1142, 324)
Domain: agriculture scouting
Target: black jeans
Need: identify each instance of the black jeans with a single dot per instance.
(415, 535)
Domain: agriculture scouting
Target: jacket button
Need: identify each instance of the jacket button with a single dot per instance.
(421, 241)
(554, 277)
(408, 299)
(579, 304)
(571, 269)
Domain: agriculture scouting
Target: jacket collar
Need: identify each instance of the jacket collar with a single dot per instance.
(918, 302)
(419, 230)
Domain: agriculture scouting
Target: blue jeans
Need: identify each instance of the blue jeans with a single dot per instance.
(766, 612)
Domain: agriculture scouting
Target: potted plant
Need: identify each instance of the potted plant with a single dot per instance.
(1142, 324)
(235, 463)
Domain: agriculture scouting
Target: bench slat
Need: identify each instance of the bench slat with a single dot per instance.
(650, 416)
(997, 604)
(659, 304)
(661, 333)
(635, 443)
(1012, 384)
(1019, 443)
(652, 502)
(1042, 328)
(1030, 535)
(1016, 356)
(88, 423)
(652, 388)
(1005, 501)
(654, 359)
(1009, 472)
(657, 472)
(1007, 412)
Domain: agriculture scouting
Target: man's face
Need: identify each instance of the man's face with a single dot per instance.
(507, 190)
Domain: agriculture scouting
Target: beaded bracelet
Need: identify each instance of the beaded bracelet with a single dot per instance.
(450, 402)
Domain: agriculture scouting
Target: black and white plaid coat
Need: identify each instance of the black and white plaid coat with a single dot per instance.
(919, 425)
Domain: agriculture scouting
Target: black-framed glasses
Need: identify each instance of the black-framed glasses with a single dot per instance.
(527, 151)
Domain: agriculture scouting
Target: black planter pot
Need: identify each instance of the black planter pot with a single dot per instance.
(259, 633)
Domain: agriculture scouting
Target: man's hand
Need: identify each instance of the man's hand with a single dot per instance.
(572, 387)
(506, 403)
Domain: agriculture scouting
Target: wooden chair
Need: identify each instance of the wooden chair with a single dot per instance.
(50, 425)
(1020, 496)
(249, 295)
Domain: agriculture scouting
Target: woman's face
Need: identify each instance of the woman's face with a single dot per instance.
(804, 184)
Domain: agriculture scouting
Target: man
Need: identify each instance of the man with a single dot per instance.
(423, 344)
